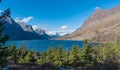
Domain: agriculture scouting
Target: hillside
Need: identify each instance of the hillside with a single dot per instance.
(19, 31)
(102, 26)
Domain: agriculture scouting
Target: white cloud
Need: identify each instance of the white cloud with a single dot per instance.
(64, 27)
(24, 20)
(62, 30)
(27, 19)
(97, 8)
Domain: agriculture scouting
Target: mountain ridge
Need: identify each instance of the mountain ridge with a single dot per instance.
(19, 31)
(102, 26)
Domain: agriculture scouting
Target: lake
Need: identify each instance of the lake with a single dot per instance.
(42, 45)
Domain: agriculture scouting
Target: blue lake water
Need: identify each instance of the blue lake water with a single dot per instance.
(42, 45)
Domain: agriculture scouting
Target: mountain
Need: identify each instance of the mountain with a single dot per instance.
(102, 26)
(19, 31)
(42, 33)
(26, 27)
(57, 34)
(30, 28)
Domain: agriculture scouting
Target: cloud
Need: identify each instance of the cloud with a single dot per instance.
(24, 20)
(27, 19)
(62, 30)
(97, 8)
(64, 27)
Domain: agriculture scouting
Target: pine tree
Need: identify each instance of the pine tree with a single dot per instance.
(88, 54)
(3, 56)
(58, 56)
(23, 51)
(3, 39)
(66, 57)
(74, 55)
(30, 57)
(74, 51)
(14, 53)
(48, 55)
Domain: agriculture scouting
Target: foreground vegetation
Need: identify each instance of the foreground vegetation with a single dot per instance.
(87, 56)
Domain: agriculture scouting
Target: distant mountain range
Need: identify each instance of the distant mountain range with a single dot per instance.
(20, 31)
(102, 26)
(58, 34)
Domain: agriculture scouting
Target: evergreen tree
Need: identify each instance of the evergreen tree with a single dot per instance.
(74, 56)
(88, 54)
(58, 57)
(3, 39)
(75, 51)
(14, 53)
(30, 57)
(48, 54)
(3, 56)
(66, 57)
(22, 51)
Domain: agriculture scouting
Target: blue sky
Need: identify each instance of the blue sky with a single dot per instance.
(55, 15)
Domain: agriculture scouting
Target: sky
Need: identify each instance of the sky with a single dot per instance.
(55, 15)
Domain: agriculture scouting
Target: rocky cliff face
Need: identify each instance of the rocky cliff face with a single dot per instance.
(102, 26)
(42, 33)
(26, 27)
(19, 31)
